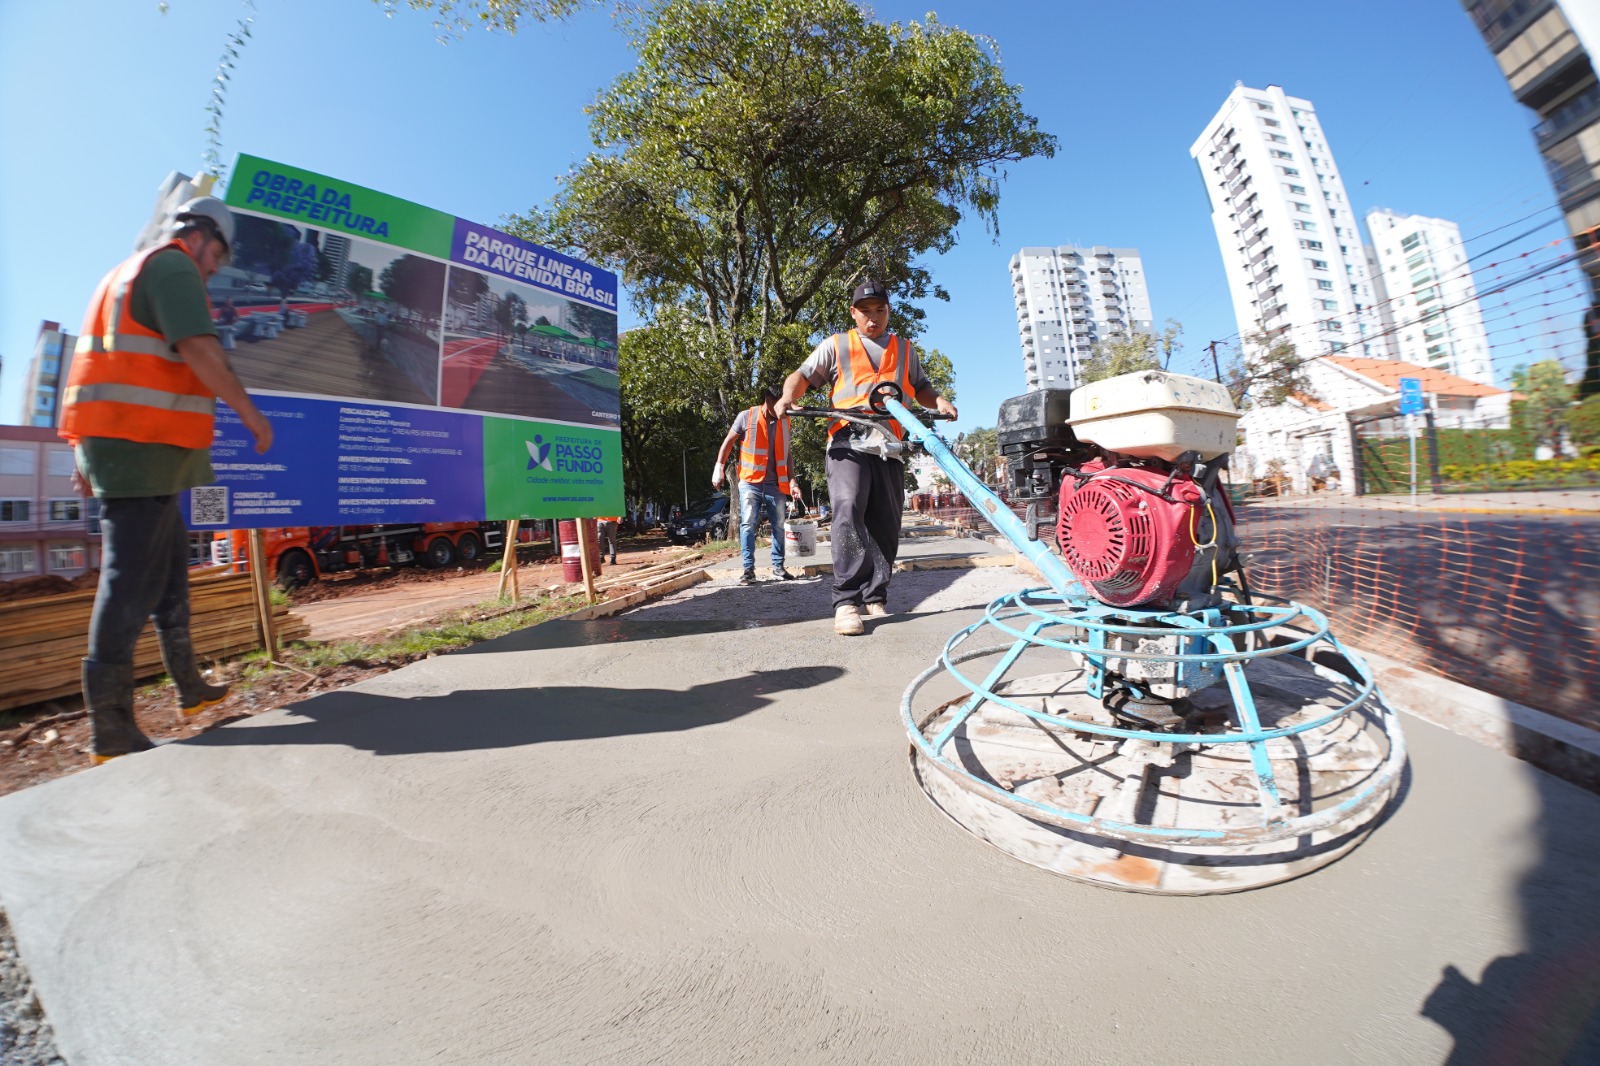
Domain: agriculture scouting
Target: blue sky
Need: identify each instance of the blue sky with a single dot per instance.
(104, 97)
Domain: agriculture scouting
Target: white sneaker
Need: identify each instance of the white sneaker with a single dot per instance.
(847, 620)
(877, 610)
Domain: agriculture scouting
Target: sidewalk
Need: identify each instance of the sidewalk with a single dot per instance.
(1532, 502)
(690, 834)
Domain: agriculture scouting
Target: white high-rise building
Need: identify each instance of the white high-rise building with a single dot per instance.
(1070, 298)
(1426, 287)
(1291, 244)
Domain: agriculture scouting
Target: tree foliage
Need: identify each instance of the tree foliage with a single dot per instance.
(764, 155)
(1268, 373)
(980, 450)
(414, 282)
(1141, 351)
(457, 16)
(1539, 413)
(358, 279)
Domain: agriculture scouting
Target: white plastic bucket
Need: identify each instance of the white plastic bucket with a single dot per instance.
(801, 537)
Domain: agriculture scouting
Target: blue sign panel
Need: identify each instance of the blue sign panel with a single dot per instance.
(1411, 396)
(343, 462)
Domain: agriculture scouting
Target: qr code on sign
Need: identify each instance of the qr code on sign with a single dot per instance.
(208, 506)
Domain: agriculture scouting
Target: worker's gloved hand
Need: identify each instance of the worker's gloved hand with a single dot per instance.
(718, 477)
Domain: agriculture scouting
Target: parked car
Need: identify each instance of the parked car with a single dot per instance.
(705, 520)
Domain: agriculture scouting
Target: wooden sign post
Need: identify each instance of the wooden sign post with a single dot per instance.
(508, 563)
(263, 598)
(583, 558)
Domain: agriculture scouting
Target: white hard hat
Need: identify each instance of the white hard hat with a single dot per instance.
(207, 207)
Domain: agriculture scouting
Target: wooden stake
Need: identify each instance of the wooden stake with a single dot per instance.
(583, 559)
(258, 582)
(508, 562)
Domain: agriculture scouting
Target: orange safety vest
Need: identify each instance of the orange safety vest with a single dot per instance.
(853, 383)
(126, 381)
(753, 450)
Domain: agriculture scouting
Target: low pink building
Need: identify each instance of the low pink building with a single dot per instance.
(45, 527)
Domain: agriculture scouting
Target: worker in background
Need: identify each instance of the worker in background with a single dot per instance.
(607, 530)
(763, 440)
(866, 490)
(139, 408)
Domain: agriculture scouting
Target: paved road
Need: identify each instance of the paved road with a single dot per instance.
(689, 834)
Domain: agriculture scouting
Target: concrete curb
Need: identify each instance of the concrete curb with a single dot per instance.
(952, 562)
(1556, 746)
(633, 599)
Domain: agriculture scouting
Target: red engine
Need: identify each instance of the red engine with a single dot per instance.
(1127, 544)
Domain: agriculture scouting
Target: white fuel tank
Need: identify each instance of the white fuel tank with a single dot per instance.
(1151, 413)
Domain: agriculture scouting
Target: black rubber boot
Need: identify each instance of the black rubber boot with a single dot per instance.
(177, 652)
(108, 694)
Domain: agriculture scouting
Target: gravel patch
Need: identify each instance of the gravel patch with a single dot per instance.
(26, 1038)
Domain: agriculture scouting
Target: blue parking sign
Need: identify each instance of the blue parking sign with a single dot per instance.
(1411, 396)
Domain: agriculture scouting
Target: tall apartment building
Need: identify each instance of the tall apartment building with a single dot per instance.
(47, 373)
(1290, 242)
(1546, 51)
(1068, 299)
(1425, 286)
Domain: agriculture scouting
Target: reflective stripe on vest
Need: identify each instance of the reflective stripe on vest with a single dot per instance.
(126, 382)
(856, 376)
(753, 450)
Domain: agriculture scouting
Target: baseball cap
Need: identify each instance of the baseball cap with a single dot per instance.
(869, 290)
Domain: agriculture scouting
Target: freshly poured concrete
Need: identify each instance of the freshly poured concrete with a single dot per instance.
(684, 836)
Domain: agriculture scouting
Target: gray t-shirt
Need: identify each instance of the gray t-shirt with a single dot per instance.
(741, 426)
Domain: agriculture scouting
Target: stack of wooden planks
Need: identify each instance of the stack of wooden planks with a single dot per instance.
(43, 639)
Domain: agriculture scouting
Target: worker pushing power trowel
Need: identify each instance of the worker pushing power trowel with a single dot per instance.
(1145, 722)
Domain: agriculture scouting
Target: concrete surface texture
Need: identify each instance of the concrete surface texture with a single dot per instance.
(690, 834)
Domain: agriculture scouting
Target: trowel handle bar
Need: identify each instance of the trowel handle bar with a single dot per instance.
(876, 411)
(990, 506)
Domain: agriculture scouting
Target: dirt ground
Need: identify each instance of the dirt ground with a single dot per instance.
(51, 739)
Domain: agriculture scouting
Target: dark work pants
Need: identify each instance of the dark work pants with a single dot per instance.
(144, 573)
(867, 493)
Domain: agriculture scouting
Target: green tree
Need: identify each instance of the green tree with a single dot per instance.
(748, 170)
(511, 311)
(467, 287)
(1539, 412)
(1269, 372)
(668, 390)
(359, 280)
(592, 322)
(980, 450)
(1583, 422)
(414, 282)
(457, 16)
(1141, 351)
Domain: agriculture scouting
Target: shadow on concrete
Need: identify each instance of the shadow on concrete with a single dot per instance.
(1541, 1006)
(504, 718)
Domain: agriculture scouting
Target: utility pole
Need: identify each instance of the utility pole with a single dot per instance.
(1215, 366)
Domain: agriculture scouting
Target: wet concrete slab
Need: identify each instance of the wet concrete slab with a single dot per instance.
(691, 834)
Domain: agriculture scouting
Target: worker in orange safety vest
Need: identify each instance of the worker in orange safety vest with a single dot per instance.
(139, 410)
(866, 486)
(764, 481)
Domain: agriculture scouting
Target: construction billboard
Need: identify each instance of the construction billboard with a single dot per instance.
(416, 366)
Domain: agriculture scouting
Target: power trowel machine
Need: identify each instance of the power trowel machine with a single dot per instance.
(1144, 722)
